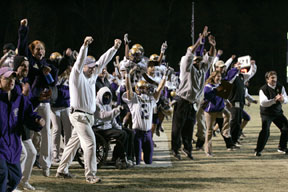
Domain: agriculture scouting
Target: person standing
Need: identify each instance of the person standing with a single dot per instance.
(41, 77)
(192, 79)
(83, 105)
(215, 108)
(15, 110)
(272, 95)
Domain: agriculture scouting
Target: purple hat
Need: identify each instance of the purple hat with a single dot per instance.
(6, 72)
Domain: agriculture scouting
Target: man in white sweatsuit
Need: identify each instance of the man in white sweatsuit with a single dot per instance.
(83, 105)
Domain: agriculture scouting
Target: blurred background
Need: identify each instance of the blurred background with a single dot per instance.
(255, 28)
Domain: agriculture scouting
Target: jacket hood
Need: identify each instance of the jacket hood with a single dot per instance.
(100, 93)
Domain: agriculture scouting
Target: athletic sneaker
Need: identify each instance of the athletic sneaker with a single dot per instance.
(93, 180)
(27, 186)
(282, 150)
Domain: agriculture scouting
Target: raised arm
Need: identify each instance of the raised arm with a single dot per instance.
(126, 42)
(23, 39)
(107, 56)
(129, 90)
(212, 41)
(79, 64)
(162, 52)
(160, 87)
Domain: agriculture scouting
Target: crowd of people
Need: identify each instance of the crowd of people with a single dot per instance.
(66, 97)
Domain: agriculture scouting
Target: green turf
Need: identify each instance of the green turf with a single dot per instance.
(228, 171)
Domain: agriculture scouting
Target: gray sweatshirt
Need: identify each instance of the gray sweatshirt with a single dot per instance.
(192, 80)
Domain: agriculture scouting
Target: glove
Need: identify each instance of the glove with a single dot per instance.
(126, 40)
(164, 47)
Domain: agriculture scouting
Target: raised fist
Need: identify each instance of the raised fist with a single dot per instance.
(88, 40)
(126, 40)
(117, 43)
(164, 47)
(24, 22)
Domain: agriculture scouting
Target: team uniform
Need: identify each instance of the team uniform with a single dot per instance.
(141, 108)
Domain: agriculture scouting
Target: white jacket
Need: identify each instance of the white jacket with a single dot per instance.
(104, 113)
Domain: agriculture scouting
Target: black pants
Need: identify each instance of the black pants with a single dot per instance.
(228, 141)
(281, 122)
(184, 117)
(121, 141)
(235, 123)
(129, 148)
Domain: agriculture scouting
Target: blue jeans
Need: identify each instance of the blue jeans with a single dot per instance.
(10, 175)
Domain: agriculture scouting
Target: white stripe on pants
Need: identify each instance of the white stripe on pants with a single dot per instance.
(60, 120)
(82, 133)
(28, 156)
(45, 149)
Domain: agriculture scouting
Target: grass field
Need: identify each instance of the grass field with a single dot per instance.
(228, 171)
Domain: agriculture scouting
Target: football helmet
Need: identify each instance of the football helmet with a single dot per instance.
(135, 55)
(173, 93)
(154, 57)
(141, 87)
(55, 56)
(139, 47)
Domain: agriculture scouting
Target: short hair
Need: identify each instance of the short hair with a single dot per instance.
(270, 73)
(34, 43)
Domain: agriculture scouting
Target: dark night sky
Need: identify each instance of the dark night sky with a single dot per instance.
(257, 28)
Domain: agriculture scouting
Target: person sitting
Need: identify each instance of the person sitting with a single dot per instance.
(111, 129)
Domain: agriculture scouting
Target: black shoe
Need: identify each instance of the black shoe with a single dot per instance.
(177, 155)
(188, 154)
(65, 175)
(200, 144)
(257, 153)
(37, 164)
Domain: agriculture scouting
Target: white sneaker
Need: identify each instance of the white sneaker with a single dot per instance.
(281, 151)
(27, 186)
(93, 180)
(209, 154)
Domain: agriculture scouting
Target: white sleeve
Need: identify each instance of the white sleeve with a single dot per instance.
(207, 61)
(79, 64)
(228, 62)
(248, 96)
(284, 95)
(103, 115)
(214, 62)
(132, 100)
(264, 101)
(250, 73)
(104, 60)
(186, 62)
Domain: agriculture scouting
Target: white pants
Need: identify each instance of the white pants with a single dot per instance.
(45, 147)
(28, 156)
(82, 134)
(60, 120)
